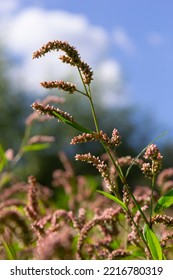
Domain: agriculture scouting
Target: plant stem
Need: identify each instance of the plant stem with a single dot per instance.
(117, 166)
(94, 114)
(24, 141)
(137, 228)
(88, 94)
(136, 203)
(151, 203)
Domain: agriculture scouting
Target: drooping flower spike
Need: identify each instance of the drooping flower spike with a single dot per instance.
(72, 57)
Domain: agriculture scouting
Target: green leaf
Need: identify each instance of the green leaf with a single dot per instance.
(134, 160)
(36, 147)
(75, 125)
(114, 198)
(5, 178)
(11, 254)
(3, 159)
(164, 202)
(153, 243)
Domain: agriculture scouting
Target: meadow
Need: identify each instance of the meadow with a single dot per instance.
(84, 216)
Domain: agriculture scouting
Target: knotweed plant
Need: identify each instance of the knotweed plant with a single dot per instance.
(115, 222)
(137, 217)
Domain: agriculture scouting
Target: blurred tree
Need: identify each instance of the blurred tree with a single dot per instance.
(12, 108)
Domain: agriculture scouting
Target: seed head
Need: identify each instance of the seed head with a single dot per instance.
(152, 152)
(64, 86)
(151, 169)
(72, 57)
(50, 111)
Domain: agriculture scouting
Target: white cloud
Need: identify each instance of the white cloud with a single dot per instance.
(28, 29)
(33, 27)
(155, 39)
(123, 41)
(110, 78)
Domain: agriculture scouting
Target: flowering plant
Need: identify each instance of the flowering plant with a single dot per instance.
(128, 226)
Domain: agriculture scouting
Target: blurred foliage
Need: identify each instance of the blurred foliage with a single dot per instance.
(13, 108)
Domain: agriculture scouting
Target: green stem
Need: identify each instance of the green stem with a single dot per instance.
(94, 114)
(136, 203)
(83, 93)
(137, 228)
(24, 141)
(88, 94)
(125, 234)
(123, 180)
(151, 202)
(117, 166)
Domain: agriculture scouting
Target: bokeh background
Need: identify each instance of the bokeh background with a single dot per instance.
(128, 44)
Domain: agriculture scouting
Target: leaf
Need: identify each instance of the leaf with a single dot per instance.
(133, 162)
(164, 202)
(153, 243)
(11, 254)
(3, 159)
(35, 147)
(72, 123)
(5, 178)
(114, 198)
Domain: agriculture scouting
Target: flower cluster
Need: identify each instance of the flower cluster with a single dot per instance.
(104, 220)
(114, 141)
(166, 238)
(127, 160)
(48, 99)
(151, 169)
(100, 166)
(56, 45)
(65, 178)
(118, 254)
(41, 138)
(165, 180)
(13, 220)
(32, 206)
(72, 57)
(64, 86)
(152, 153)
(84, 137)
(46, 231)
(50, 111)
(134, 237)
(164, 219)
(147, 170)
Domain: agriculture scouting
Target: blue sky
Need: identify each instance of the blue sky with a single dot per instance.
(129, 43)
